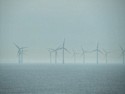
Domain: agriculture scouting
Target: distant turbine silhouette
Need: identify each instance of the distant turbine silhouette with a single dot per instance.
(97, 52)
(84, 55)
(123, 53)
(106, 55)
(74, 55)
(63, 51)
(20, 53)
(55, 51)
(50, 53)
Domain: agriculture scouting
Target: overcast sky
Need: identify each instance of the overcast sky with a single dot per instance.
(43, 24)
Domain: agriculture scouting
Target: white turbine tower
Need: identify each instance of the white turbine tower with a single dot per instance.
(20, 53)
(74, 55)
(50, 53)
(84, 55)
(123, 53)
(106, 55)
(55, 51)
(63, 51)
(97, 52)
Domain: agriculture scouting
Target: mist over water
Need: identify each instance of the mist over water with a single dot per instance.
(43, 24)
(62, 79)
(62, 46)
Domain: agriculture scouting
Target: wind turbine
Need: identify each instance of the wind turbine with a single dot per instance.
(55, 51)
(20, 53)
(83, 54)
(97, 52)
(63, 51)
(123, 53)
(106, 55)
(50, 53)
(74, 55)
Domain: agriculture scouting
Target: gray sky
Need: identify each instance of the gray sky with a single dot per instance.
(43, 24)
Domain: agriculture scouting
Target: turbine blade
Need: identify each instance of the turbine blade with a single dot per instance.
(59, 48)
(104, 51)
(16, 45)
(23, 47)
(121, 48)
(67, 50)
(18, 53)
(93, 51)
(100, 51)
(51, 50)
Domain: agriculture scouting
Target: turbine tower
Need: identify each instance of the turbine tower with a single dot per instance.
(20, 53)
(83, 54)
(74, 55)
(63, 51)
(123, 54)
(55, 51)
(50, 53)
(97, 52)
(106, 55)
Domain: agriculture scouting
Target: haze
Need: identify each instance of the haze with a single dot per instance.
(43, 24)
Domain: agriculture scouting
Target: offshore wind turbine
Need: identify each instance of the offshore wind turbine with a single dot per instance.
(123, 53)
(63, 51)
(74, 55)
(55, 51)
(20, 53)
(50, 53)
(97, 52)
(106, 55)
(84, 55)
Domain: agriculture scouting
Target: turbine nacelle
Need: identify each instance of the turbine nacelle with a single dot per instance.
(106, 52)
(54, 50)
(20, 52)
(123, 50)
(97, 50)
(84, 52)
(64, 49)
(74, 53)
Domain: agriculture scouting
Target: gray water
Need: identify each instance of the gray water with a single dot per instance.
(62, 79)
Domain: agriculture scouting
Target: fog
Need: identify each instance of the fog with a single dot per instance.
(43, 24)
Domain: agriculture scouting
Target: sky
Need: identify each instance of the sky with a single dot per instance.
(43, 24)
